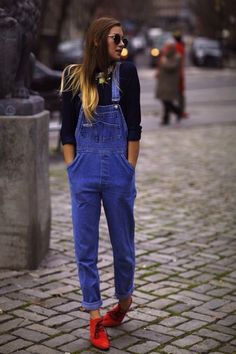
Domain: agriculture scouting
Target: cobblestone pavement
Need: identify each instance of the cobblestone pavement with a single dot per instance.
(185, 294)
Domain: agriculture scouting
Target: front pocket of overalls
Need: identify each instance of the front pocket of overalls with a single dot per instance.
(74, 162)
(127, 163)
(110, 131)
(88, 130)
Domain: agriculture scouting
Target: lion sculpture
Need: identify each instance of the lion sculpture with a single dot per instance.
(18, 29)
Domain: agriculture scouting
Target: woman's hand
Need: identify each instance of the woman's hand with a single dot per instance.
(69, 153)
(133, 152)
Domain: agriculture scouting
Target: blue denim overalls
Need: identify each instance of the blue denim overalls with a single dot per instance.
(101, 172)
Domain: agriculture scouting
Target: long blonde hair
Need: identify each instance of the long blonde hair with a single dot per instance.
(82, 76)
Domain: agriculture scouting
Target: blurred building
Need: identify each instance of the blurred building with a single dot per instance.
(172, 14)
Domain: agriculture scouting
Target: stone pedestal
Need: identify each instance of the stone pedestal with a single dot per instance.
(21, 107)
(24, 190)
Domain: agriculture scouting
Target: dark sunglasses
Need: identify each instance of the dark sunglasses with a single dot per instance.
(117, 39)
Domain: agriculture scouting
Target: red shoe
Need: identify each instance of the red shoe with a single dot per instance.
(184, 115)
(115, 316)
(98, 334)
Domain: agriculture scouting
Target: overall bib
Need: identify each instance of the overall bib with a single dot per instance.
(101, 173)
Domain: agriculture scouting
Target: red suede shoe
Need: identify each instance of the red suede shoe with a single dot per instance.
(115, 316)
(98, 334)
(185, 115)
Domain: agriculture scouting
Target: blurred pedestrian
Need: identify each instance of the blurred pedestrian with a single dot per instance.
(180, 48)
(168, 75)
(100, 135)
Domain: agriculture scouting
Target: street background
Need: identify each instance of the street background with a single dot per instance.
(185, 297)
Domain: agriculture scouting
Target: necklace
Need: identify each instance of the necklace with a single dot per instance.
(101, 78)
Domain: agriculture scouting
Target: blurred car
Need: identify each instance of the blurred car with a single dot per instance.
(206, 52)
(68, 52)
(152, 33)
(139, 43)
(156, 47)
(46, 82)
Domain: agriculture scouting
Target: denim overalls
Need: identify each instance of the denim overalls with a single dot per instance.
(101, 172)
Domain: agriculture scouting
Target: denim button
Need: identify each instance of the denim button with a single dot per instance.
(116, 106)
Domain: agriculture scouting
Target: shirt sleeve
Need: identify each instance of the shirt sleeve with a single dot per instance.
(70, 105)
(69, 117)
(130, 101)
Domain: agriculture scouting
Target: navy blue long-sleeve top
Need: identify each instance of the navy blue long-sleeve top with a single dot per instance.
(129, 102)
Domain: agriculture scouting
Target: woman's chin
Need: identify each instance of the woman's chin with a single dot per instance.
(116, 57)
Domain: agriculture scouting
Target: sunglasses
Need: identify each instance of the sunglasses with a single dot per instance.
(117, 39)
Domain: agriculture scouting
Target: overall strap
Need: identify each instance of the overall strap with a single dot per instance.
(116, 84)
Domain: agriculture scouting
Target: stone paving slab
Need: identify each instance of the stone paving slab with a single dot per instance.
(185, 297)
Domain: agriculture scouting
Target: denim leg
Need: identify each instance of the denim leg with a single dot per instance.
(120, 219)
(86, 209)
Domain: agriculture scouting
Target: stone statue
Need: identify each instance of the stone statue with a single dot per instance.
(24, 160)
(18, 28)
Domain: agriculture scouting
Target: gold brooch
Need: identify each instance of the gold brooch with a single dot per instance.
(100, 77)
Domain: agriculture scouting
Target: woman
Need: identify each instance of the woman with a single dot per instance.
(180, 49)
(168, 75)
(100, 136)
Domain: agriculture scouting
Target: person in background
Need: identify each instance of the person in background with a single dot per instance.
(100, 135)
(168, 78)
(180, 48)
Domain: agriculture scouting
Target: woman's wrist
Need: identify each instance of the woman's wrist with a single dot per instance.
(69, 153)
